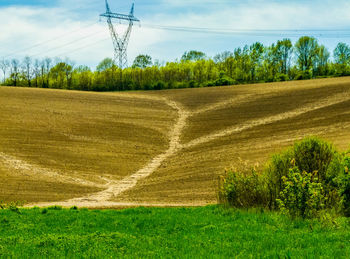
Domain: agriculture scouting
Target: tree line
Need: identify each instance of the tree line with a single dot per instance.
(282, 61)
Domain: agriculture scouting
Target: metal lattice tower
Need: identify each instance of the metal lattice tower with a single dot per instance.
(120, 42)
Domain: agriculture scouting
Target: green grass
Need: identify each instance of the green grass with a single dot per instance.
(209, 232)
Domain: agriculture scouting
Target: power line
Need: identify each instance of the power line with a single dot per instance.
(69, 43)
(325, 33)
(50, 40)
(84, 47)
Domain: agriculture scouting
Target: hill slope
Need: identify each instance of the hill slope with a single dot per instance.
(155, 148)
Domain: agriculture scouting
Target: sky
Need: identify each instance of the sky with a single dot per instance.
(73, 29)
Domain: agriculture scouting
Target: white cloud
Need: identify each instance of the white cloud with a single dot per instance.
(22, 27)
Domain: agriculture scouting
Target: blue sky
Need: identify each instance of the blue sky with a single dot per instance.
(72, 29)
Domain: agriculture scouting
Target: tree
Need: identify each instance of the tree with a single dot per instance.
(256, 56)
(322, 59)
(284, 51)
(142, 61)
(306, 50)
(221, 58)
(342, 58)
(27, 69)
(4, 66)
(61, 73)
(36, 71)
(342, 54)
(14, 71)
(193, 55)
(105, 64)
(48, 66)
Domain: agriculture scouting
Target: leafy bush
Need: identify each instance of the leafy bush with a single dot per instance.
(243, 189)
(343, 181)
(225, 80)
(310, 155)
(281, 77)
(159, 85)
(313, 154)
(301, 181)
(302, 195)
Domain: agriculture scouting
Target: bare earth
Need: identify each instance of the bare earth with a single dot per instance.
(206, 131)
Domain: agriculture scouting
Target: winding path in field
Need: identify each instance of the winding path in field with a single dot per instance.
(24, 168)
(115, 188)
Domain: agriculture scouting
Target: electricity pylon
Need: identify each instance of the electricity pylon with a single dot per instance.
(120, 42)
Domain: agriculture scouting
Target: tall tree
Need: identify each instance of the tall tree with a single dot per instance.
(14, 71)
(193, 55)
(284, 51)
(27, 70)
(36, 71)
(105, 64)
(48, 66)
(4, 66)
(322, 59)
(342, 54)
(142, 61)
(256, 56)
(306, 50)
(221, 58)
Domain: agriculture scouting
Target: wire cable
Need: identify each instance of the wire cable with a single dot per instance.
(324, 33)
(83, 47)
(50, 40)
(68, 43)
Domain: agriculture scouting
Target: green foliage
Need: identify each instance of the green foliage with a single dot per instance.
(204, 232)
(302, 180)
(12, 206)
(313, 154)
(309, 155)
(142, 61)
(193, 55)
(243, 190)
(306, 50)
(343, 181)
(302, 194)
(105, 64)
(250, 64)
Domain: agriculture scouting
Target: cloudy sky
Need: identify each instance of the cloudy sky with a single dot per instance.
(72, 28)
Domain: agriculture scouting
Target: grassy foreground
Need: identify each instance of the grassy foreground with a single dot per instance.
(174, 232)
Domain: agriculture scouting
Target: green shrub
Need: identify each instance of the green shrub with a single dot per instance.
(281, 77)
(243, 189)
(225, 80)
(277, 168)
(301, 181)
(302, 194)
(310, 155)
(343, 181)
(313, 154)
(55, 207)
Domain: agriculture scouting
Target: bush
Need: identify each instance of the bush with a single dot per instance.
(302, 194)
(301, 181)
(313, 154)
(310, 155)
(243, 189)
(225, 80)
(343, 181)
(281, 77)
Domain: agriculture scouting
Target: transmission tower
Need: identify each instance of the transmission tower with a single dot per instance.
(120, 42)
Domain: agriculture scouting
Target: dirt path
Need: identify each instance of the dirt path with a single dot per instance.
(335, 99)
(22, 167)
(115, 188)
(241, 99)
